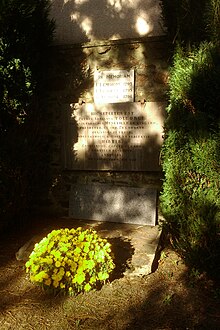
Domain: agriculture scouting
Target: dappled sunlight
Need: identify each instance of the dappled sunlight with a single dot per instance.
(113, 203)
(120, 6)
(117, 135)
(115, 199)
(80, 2)
(86, 25)
(84, 22)
(89, 20)
(142, 26)
(168, 297)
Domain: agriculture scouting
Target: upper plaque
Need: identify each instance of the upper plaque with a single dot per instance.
(114, 86)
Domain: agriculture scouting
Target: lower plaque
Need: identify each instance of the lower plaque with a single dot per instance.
(105, 202)
(116, 137)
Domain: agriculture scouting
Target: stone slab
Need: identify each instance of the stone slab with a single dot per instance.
(135, 246)
(113, 86)
(106, 202)
(145, 241)
(116, 137)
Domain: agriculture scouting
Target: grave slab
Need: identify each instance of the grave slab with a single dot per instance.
(135, 246)
(111, 203)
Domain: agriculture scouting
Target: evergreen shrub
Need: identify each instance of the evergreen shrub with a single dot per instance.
(212, 19)
(70, 261)
(26, 31)
(190, 199)
(184, 20)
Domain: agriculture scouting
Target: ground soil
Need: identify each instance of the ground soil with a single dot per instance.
(169, 298)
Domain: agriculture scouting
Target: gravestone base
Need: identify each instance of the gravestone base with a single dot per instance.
(145, 241)
(134, 246)
(111, 203)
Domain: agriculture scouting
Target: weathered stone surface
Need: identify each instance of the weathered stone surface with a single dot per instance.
(120, 136)
(111, 203)
(134, 246)
(71, 80)
(81, 21)
(145, 242)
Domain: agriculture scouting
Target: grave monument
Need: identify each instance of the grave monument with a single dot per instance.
(114, 134)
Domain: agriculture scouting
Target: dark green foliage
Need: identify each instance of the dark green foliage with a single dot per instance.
(194, 86)
(190, 200)
(213, 19)
(26, 30)
(185, 19)
(25, 34)
(16, 88)
(191, 21)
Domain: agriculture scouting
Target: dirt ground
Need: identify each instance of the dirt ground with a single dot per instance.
(168, 298)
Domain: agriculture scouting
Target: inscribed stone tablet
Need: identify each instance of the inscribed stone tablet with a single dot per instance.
(120, 136)
(114, 86)
(105, 202)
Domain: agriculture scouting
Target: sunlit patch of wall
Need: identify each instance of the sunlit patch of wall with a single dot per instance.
(80, 21)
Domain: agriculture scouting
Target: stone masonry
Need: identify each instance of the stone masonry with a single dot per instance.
(70, 81)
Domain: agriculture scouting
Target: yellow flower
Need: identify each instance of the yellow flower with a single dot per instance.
(32, 278)
(56, 254)
(66, 254)
(40, 276)
(86, 247)
(92, 279)
(79, 278)
(55, 271)
(87, 287)
(54, 276)
(55, 283)
(61, 271)
(48, 282)
(28, 263)
(49, 261)
(102, 276)
(91, 254)
(77, 250)
(57, 264)
(35, 268)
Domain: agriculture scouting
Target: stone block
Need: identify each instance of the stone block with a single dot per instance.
(107, 202)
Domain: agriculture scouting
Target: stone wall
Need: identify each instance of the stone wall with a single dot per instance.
(70, 81)
(80, 21)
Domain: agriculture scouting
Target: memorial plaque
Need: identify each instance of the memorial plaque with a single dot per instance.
(105, 202)
(120, 136)
(114, 86)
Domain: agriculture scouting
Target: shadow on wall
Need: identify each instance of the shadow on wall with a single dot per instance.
(111, 203)
(121, 136)
(80, 21)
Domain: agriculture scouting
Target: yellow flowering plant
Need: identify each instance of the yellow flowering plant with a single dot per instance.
(70, 261)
